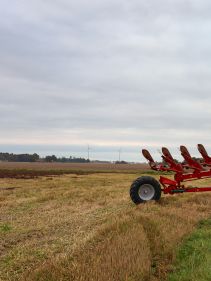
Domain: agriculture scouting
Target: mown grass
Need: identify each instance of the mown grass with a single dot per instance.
(194, 256)
(85, 228)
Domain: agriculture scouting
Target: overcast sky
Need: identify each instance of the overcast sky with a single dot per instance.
(110, 74)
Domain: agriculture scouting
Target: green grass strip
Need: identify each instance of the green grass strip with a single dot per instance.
(193, 262)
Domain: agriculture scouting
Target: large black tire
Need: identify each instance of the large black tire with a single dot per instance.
(144, 189)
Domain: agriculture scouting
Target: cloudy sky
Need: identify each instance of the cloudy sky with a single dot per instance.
(111, 74)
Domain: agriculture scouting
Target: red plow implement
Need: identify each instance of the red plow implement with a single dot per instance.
(147, 188)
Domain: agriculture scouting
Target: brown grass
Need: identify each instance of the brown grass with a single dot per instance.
(85, 228)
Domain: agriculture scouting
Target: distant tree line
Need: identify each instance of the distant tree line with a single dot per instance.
(11, 157)
(121, 162)
(71, 159)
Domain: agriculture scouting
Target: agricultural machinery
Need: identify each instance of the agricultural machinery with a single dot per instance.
(147, 188)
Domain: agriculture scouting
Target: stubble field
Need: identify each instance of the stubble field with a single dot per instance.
(83, 226)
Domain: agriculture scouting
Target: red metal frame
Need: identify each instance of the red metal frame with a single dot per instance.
(196, 170)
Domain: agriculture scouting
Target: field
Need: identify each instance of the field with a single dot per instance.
(73, 166)
(80, 224)
(32, 170)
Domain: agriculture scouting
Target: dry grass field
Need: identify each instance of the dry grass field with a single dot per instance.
(84, 227)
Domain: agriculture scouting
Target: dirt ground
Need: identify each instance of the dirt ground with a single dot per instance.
(74, 166)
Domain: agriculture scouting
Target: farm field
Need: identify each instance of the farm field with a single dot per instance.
(83, 226)
(31, 170)
(73, 166)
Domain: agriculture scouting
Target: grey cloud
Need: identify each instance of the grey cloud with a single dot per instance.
(103, 66)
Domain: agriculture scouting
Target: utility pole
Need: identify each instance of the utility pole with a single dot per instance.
(88, 149)
(119, 154)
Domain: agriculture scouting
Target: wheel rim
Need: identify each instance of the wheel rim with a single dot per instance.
(146, 192)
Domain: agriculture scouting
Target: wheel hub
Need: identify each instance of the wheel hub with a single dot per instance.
(146, 192)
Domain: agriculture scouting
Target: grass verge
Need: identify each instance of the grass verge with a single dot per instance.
(193, 261)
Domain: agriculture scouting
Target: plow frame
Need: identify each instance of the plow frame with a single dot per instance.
(197, 170)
